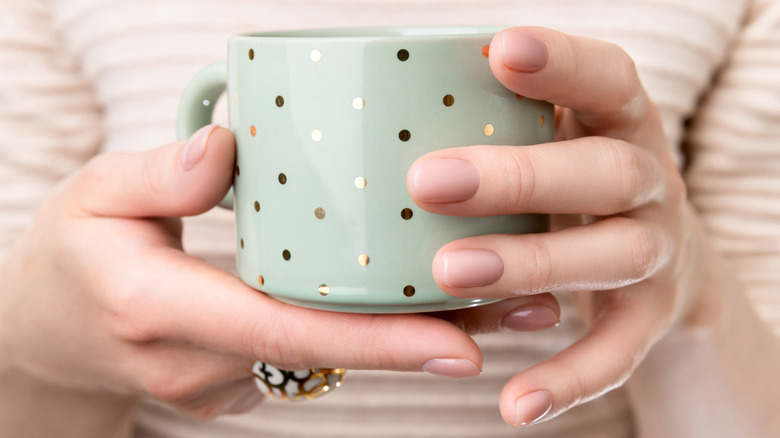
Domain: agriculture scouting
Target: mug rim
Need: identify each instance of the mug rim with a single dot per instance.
(377, 33)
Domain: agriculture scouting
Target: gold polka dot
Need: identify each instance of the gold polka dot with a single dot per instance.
(541, 122)
(407, 213)
(260, 280)
(403, 55)
(324, 290)
(257, 206)
(315, 56)
(489, 129)
(286, 255)
(409, 291)
(404, 135)
(251, 54)
(360, 182)
(358, 103)
(316, 135)
(282, 179)
(253, 130)
(279, 101)
(364, 260)
(486, 50)
(319, 213)
(448, 100)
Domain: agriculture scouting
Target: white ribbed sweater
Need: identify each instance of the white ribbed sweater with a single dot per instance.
(82, 76)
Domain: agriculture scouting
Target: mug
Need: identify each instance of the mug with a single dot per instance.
(327, 124)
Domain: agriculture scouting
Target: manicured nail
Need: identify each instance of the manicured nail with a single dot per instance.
(530, 318)
(451, 368)
(195, 147)
(444, 180)
(471, 267)
(532, 407)
(523, 52)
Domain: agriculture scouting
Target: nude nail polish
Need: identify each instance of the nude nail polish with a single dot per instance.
(531, 408)
(451, 368)
(523, 52)
(465, 268)
(529, 318)
(195, 147)
(444, 180)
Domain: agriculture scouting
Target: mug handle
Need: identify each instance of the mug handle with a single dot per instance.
(196, 107)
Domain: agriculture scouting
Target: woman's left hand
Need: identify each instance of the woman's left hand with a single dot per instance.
(630, 241)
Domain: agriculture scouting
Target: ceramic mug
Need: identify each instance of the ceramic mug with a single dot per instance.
(327, 124)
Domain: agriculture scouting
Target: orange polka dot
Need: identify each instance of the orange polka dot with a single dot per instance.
(519, 97)
(260, 280)
(486, 51)
(253, 130)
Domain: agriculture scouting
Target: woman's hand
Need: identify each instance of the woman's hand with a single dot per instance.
(625, 239)
(100, 298)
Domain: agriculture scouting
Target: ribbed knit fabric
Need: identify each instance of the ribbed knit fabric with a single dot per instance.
(734, 178)
(82, 76)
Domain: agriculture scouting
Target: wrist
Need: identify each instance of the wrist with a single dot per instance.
(34, 408)
(713, 374)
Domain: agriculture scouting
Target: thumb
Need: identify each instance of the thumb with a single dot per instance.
(180, 179)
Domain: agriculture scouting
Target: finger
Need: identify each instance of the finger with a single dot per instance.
(196, 303)
(199, 382)
(176, 373)
(180, 179)
(232, 398)
(607, 254)
(522, 314)
(592, 175)
(596, 79)
(599, 362)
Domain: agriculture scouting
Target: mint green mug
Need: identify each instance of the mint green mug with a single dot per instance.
(327, 124)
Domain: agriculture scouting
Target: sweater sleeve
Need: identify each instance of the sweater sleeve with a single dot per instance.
(734, 176)
(49, 121)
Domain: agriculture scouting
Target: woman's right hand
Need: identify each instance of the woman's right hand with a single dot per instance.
(99, 296)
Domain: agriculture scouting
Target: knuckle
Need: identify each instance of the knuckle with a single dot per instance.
(273, 342)
(94, 173)
(579, 390)
(128, 314)
(376, 347)
(676, 192)
(643, 250)
(94, 170)
(168, 387)
(628, 87)
(152, 173)
(631, 169)
(519, 181)
(539, 267)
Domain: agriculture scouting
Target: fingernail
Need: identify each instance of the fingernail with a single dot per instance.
(471, 267)
(444, 180)
(530, 318)
(195, 147)
(523, 52)
(532, 407)
(451, 368)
